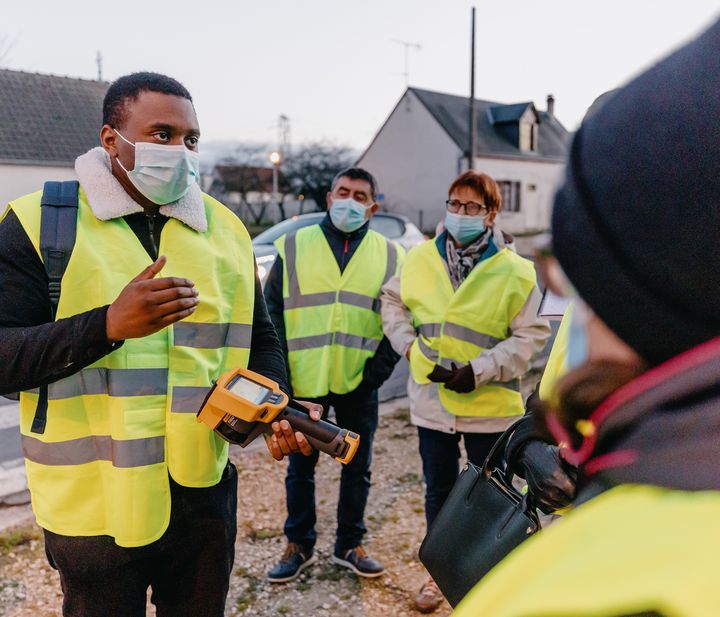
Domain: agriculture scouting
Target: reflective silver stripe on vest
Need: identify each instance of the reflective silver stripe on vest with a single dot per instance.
(361, 300)
(212, 335)
(297, 299)
(121, 453)
(430, 354)
(392, 260)
(429, 330)
(111, 381)
(513, 384)
(470, 336)
(357, 342)
(188, 399)
(290, 266)
(340, 338)
(309, 342)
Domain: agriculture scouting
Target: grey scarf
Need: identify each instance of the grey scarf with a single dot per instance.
(462, 260)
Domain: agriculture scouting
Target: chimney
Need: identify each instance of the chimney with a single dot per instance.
(551, 105)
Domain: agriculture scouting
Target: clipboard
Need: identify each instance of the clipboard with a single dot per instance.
(552, 306)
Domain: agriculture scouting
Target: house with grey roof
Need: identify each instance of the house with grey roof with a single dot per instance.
(46, 122)
(423, 145)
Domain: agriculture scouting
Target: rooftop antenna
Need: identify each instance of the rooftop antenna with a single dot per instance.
(98, 61)
(407, 45)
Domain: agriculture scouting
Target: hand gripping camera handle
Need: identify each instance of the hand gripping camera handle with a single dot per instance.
(323, 435)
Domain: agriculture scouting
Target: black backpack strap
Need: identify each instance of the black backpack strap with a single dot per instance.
(58, 227)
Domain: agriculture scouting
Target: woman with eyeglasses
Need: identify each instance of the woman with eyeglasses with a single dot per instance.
(463, 311)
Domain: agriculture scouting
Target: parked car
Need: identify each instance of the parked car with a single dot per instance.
(392, 226)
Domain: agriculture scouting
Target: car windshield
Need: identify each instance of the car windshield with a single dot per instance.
(388, 226)
(297, 222)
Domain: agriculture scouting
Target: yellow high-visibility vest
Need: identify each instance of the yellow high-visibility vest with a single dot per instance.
(456, 326)
(634, 550)
(556, 366)
(115, 428)
(332, 320)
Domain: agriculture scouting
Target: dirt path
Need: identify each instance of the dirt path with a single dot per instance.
(395, 520)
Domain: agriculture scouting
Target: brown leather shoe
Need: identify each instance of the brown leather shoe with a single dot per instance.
(429, 598)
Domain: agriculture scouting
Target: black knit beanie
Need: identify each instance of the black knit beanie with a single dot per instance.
(636, 225)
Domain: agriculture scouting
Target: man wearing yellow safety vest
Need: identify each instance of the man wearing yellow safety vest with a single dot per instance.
(113, 363)
(639, 409)
(464, 312)
(323, 297)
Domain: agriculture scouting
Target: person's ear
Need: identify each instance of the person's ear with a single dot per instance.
(490, 218)
(108, 140)
(372, 209)
(328, 200)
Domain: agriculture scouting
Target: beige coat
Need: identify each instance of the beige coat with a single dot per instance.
(505, 361)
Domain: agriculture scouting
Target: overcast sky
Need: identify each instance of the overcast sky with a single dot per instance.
(331, 65)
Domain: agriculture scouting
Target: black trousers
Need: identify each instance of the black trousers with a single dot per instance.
(440, 453)
(356, 413)
(188, 568)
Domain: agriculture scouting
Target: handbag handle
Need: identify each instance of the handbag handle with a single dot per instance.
(495, 461)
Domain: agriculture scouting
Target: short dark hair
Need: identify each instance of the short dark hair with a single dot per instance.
(128, 87)
(357, 173)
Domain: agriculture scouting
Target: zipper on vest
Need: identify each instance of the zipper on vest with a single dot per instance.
(345, 252)
(151, 231)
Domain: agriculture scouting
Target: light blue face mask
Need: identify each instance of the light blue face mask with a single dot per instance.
(577, 347)
(162, 173)
(464, 228)
(347, 214)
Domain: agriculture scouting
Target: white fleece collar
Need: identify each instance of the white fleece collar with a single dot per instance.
(108, 199)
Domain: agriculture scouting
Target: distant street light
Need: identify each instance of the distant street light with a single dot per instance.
(275, 159)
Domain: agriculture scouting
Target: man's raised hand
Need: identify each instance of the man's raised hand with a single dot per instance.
(148, 304)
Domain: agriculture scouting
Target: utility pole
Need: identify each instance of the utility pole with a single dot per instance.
(98, 61)
(407, 45)
(472, 121)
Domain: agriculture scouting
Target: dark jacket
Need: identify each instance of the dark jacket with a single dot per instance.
(35, 351)
(343, 246)
(662, 429)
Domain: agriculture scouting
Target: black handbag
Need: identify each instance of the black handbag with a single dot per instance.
(483, 519)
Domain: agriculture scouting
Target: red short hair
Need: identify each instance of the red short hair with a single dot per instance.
(483, 185)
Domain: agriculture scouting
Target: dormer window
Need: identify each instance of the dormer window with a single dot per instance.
(519, 124)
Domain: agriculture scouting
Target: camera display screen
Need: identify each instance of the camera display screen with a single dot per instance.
(249, 390)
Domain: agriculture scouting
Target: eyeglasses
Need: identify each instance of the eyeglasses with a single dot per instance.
(472, 208)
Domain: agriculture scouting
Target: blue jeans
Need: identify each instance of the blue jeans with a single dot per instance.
(440, 453)
(358, 413)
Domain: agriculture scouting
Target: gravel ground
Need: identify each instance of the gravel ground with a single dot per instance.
(395, 520)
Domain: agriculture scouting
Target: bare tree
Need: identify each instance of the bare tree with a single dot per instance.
(244, 171)
(311, 168)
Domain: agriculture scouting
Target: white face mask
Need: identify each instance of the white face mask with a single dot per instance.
(348, 215)
(162, 173)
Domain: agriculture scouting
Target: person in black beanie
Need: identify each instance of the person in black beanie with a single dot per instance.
(635, 230)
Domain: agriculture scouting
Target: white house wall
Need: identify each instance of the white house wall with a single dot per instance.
(19, 180)
(414, 161)
(535, 206)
